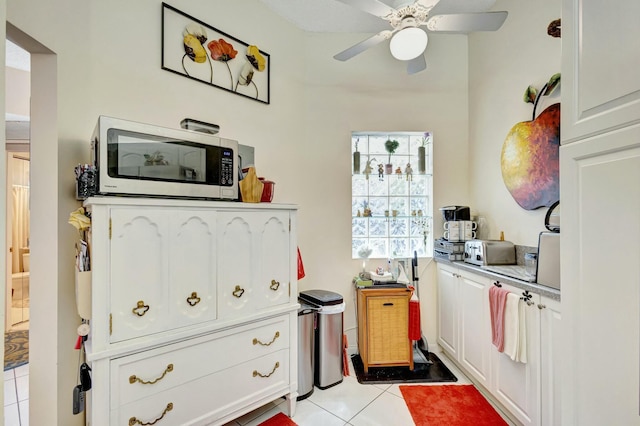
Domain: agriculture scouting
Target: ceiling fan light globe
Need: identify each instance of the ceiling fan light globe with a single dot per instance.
(408, 43)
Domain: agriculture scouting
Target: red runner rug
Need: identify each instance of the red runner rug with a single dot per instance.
(279, 419)
(450, 405)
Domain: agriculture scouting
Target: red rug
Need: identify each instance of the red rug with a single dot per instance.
(450, 405)
(279, 419)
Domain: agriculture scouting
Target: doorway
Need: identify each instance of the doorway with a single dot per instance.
(18, 240)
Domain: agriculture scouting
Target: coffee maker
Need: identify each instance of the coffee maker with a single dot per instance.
(455, 213)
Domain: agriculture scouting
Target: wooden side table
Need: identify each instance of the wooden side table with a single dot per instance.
(383, 327)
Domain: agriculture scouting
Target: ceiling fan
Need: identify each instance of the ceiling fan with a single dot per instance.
(407, 40)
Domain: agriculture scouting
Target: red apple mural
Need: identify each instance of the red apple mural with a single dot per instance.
(530, 154)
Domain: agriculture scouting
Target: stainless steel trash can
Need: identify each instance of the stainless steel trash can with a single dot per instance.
(306, 331)
(328, 349)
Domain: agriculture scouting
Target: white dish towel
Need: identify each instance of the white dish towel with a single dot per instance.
(515, 334)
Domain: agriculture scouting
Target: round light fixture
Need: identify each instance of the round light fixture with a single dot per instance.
(408, 43)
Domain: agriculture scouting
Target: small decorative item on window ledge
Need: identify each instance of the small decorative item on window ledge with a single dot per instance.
(390, 145)
(356, 159)
(421, 153)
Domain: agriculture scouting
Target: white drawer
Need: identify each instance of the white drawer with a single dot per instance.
(172, 365)
(213, 396)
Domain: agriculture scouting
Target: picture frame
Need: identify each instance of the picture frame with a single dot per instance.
(196, 50)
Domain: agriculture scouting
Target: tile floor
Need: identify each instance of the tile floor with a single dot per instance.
(346, 404)
(16, 396)
(349, 404)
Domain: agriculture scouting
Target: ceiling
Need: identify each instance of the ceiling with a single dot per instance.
(334, 16)
(326, 16)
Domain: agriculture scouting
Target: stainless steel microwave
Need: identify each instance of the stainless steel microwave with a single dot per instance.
(142, 159)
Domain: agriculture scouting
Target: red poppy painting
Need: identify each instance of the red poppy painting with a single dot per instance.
(201, 52)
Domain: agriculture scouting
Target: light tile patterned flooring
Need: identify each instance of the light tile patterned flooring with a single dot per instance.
(349, 404)
(16, 396)
(346, 404)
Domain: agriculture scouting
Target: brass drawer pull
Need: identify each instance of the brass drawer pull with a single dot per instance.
(194, 299)
(258, 342)
(140, 309)
(274, 285)
(133, 378)
(238, 292)
(275, 367)
(133, 421)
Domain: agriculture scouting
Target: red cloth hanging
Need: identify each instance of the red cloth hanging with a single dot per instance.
(414, 316)
(300, 266)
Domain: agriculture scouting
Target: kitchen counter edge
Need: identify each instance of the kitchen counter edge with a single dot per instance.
(545, 291)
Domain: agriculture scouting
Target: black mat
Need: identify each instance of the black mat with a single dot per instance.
(422, 372)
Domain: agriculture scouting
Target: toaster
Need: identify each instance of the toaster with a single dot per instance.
(489, 252)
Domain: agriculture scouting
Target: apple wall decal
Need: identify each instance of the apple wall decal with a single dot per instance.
(530, 154)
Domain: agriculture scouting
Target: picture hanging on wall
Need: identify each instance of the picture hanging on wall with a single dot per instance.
(201, 52)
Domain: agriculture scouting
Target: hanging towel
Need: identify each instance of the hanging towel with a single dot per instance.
(497, 302)
(521, 355)
(511, 325)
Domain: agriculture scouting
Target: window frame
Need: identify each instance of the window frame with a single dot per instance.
(412, 220)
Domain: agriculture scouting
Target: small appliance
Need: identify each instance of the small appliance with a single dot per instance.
(455, 213)
(489, 252)
(147, 160)
(548, 272)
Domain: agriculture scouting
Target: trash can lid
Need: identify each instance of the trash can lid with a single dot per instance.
(306, 308)
(321, 297)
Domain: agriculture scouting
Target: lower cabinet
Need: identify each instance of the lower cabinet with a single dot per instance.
(194, 310)
(528, 391)
(516, 385)
(550, 358)
(204, 380)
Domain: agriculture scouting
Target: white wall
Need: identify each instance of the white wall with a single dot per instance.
(3, 174)
(108, 62)
(502, 65)
(372, 92)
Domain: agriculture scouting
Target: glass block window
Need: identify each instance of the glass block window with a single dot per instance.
(391, 194)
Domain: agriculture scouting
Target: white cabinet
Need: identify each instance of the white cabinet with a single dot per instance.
(161, 264)
(516, 385)
(550, 361)
(448, 322)
(254, 263)
(600, 85)
(600, 285)
(194, 310)
(475, 330)
(466, 324)
(600, 187)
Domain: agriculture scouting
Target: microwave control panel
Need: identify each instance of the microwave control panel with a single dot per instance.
(226, 167)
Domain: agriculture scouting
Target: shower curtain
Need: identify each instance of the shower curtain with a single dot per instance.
(20, 231)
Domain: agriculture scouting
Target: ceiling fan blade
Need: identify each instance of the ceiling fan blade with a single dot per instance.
(363, 45)
(416, 65)
(373, 7)
(467, 22)
(447, 7)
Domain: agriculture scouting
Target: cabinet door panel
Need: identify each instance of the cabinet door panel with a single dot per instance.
(236, 264)
(272, 287)
(600, 285)
(593, 37)
(517, 385)
(550, 361)
(448, 310)
(139, 272)
(475, 335)
(193, 266)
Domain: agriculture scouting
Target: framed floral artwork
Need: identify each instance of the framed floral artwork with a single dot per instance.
(201, 52)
